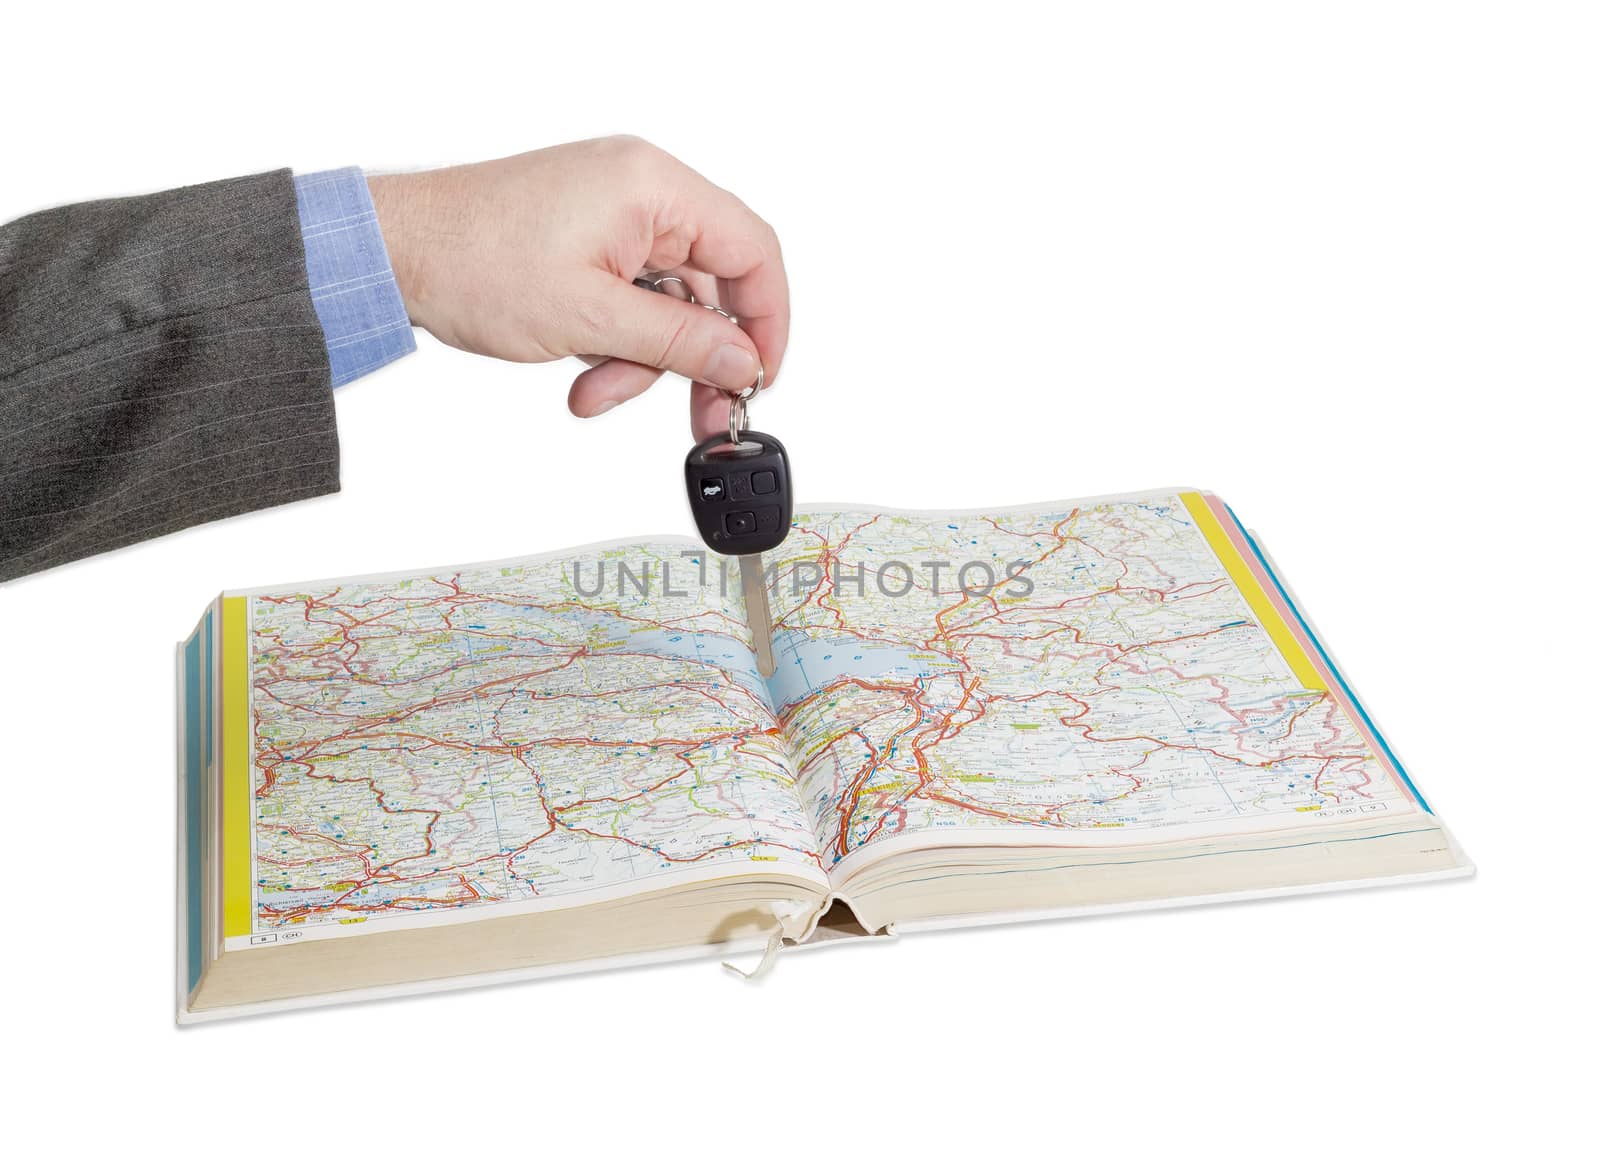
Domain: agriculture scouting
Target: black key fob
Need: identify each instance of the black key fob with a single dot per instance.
(740, 492)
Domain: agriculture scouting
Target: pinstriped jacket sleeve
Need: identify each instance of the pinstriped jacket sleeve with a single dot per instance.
(161, 365)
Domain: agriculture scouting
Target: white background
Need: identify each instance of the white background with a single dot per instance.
(1336, 262)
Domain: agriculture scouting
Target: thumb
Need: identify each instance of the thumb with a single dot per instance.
(673, 334)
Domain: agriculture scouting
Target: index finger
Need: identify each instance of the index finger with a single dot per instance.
(740, 248)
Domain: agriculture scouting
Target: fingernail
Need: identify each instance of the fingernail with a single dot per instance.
(602, 407)
(731, 367)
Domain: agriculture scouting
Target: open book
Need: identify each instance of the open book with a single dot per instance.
(402, 782)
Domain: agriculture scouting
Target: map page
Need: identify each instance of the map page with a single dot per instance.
(582, 726)
(492, 737)
(1067, 674)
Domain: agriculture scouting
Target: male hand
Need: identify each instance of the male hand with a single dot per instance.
(532, 258)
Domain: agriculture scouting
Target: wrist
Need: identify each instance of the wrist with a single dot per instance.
(400, 204)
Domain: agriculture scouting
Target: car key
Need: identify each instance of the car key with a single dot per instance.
(739, 490)
(741, 494)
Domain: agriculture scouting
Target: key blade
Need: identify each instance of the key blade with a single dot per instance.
(753, 583)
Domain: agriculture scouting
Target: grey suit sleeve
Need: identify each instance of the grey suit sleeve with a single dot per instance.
(161, 365)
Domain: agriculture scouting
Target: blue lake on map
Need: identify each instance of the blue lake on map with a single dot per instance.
(805, 664)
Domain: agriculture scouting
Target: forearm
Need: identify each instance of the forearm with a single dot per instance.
(161, 364)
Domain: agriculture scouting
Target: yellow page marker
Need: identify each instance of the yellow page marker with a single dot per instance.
(1239, 571)
(235, 768)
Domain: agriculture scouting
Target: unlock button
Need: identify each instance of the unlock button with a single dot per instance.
(740, 523)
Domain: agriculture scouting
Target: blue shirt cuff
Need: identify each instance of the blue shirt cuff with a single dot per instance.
(363, 318)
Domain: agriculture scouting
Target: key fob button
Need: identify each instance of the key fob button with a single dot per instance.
(711, 489)
(763, 482)
(740, 523)
(739, 486)
(767, 519)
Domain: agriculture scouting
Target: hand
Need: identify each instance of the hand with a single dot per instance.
(533, 257)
